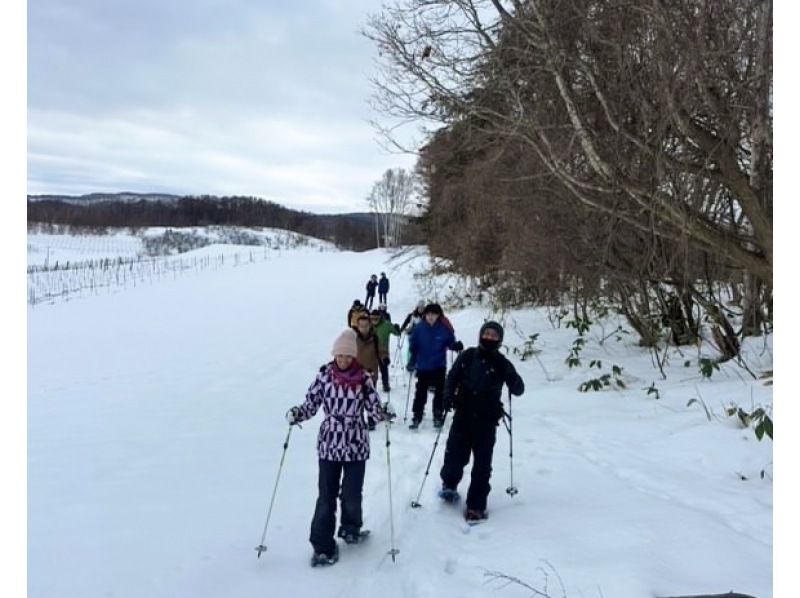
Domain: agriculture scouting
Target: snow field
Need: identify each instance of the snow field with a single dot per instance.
(156, 427)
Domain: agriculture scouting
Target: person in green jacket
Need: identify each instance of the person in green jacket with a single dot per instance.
(383, 330)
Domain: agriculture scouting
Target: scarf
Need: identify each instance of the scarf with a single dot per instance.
(352, 377)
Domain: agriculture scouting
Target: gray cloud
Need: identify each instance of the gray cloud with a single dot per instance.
(258, 98)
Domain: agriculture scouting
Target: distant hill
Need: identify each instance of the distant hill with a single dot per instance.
(355, 231)
(100, 197)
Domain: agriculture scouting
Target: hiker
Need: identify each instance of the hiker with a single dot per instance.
(385, 314)
(383, 330)
(473, 389)
(345, 391)
(372, 284)
(367, 353)
(383, 288)
(413, 318)
(428, 345)
(354, 312)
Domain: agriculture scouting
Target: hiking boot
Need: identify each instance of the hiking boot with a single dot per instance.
(449, 495)
(415, 422)
(386, 388)
(371, 426)
(322, 558)
(438, 422)
(475, 515)
(351, 537)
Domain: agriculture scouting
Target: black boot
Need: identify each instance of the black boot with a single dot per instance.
(322, 559)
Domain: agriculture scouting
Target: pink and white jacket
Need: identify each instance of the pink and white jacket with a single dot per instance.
(344, 397)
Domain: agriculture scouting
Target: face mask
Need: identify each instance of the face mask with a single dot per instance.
(490, 345)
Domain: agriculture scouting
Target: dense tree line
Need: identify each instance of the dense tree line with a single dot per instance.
(591, 149)
(348, 231)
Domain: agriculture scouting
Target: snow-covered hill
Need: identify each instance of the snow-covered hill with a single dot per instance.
(156, 426)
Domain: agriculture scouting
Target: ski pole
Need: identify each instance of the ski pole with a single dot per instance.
(392, 551)
(398, 352)
(261, 548)
(511, 490)
(415, 504)
(408, 396)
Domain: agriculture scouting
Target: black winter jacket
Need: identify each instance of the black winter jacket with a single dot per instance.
(383, 285)
(474, 385)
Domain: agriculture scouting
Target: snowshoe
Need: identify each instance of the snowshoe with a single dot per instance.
(475, 516)
(320, 559)
(449, 495)
(353, 537)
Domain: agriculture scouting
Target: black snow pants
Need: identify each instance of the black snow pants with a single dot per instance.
(425, 380)
(476, 437)
(323, 524)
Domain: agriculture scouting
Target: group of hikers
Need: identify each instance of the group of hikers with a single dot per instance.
(382, 287)
(346, 389)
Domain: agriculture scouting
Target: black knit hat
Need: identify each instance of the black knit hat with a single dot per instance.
(433, 308)
(494, 326)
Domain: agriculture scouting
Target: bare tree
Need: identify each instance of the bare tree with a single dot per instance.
(654, 113)
(392, 200)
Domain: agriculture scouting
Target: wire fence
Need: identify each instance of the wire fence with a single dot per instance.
(72, 279)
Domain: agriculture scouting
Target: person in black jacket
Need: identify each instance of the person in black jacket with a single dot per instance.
(413, 318)
(473, 388)
(372, 284)
(383, 288)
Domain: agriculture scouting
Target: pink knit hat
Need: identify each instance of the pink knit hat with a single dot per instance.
(345, 344)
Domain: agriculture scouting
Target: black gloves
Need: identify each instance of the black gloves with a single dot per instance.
(410, 367)
(293, 416)
(447, 403)
(387, 412)
(396, 329)
(458, 346)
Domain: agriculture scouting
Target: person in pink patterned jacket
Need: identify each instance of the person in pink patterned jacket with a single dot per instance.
(346, 393)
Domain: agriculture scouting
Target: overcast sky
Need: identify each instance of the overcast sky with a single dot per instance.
(253, 97)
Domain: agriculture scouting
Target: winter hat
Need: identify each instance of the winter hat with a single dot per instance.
(420, 304)
(433, 308)
(494, 326)
(345, 344)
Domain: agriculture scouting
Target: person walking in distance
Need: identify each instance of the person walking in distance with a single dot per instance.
(383, 288)
(345, 392)
(473, 389)
(372, 284)
(428, 347)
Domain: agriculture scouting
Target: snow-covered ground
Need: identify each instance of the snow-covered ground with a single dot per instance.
(156, 427)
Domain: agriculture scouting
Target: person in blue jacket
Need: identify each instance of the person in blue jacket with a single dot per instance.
(428, 347)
